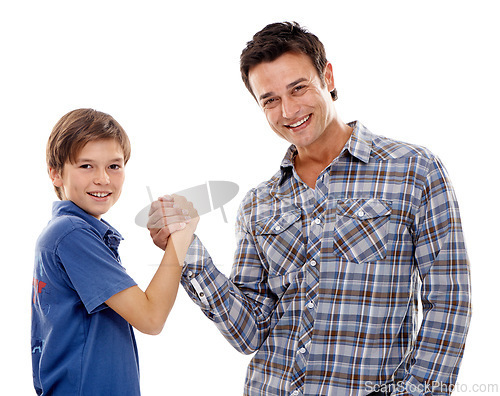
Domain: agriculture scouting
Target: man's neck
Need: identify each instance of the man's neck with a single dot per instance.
(312, 160)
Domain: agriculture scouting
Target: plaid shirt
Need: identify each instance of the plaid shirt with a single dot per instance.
(325, 281)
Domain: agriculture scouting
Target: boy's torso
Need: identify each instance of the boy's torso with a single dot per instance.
(79, 345)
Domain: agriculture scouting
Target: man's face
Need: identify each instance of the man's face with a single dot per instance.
(94, 182)
(297, 105)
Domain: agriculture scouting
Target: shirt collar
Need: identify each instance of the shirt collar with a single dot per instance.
(105, 230)
(360, 143)
(359, 146)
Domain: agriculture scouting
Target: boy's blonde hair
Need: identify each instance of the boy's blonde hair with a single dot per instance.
(74, 130)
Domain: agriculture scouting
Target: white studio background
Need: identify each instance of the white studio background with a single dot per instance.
(424, 72)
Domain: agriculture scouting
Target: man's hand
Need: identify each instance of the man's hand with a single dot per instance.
(167, 215)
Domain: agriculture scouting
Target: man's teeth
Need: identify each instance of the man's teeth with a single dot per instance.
(298, 123)
(99, 195)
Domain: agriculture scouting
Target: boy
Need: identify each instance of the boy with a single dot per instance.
(84, 303)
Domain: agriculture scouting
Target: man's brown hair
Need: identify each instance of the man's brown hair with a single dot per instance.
(77, 128)
(277, 39)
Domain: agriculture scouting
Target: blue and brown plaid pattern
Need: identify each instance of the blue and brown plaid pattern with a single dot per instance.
(325, 281)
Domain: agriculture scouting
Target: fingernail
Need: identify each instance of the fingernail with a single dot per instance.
(185, 211)
(187, 217)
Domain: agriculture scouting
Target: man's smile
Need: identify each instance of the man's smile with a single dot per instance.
(299, 123)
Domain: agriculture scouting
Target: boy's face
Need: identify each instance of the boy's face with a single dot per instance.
(94, 182)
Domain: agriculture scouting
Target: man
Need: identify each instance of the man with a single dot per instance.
(333, 250)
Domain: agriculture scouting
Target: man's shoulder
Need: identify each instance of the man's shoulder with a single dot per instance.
(264, 190)
(384, 148)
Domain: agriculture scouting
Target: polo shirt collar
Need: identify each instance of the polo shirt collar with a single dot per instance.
(105, 230)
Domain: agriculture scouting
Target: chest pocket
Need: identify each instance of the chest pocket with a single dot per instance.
(280, 240)
(361, 228)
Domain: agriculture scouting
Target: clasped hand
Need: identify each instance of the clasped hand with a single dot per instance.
(170, 214)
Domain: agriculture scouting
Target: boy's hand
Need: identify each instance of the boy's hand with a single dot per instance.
(170, 214)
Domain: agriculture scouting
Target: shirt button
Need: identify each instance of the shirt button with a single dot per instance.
(295, 393)
(317, 221)
(277, 228)
(361, 213)
(190, 274)
(312, 263)
(302, 350)
(202, 294)
(310, 305)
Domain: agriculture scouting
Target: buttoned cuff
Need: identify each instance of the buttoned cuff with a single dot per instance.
(203, 282)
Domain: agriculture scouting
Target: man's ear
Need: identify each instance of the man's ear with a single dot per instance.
(330, 84)
(56, 178)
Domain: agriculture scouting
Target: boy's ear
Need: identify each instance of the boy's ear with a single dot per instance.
(56, 178)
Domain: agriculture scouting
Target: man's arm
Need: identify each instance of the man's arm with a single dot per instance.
(147, 311)
(441, 258)
(241, 307)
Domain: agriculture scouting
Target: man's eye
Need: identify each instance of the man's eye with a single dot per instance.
(270, 103)
(299, 88)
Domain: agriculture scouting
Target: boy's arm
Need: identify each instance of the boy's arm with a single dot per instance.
(147, 311)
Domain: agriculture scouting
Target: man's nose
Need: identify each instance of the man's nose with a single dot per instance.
(289, 107)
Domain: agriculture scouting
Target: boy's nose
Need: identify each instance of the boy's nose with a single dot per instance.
(102, 177)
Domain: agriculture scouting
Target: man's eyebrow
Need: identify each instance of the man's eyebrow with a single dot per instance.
(266, 95)
(291, 85)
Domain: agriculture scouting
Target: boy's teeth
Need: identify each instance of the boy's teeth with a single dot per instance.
(299, 122)
(99, 195)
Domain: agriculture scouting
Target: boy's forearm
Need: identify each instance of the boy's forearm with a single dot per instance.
(162, 290)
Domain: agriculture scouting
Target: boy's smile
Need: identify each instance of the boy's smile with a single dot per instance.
(94, 182)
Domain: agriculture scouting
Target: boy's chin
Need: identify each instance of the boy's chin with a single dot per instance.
(96, 212)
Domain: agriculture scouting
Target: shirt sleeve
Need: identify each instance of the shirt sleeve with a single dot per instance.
(443, 265)
(94, 271)
(241, 307)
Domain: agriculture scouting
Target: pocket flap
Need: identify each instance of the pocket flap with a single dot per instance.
(276, 224)
(363, 208)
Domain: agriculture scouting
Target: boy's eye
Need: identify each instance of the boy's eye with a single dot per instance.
(85, 166)
(115, 166)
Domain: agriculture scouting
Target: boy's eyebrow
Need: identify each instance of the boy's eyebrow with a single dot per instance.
(291, 85)
(118, 159)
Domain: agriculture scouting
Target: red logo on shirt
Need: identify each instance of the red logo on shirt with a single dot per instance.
(37, 288)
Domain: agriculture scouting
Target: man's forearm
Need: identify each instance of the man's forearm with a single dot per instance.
(244, 322)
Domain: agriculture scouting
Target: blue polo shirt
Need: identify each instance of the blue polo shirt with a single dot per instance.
(79, 345)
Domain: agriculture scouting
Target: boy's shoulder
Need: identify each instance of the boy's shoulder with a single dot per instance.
(61, 226)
